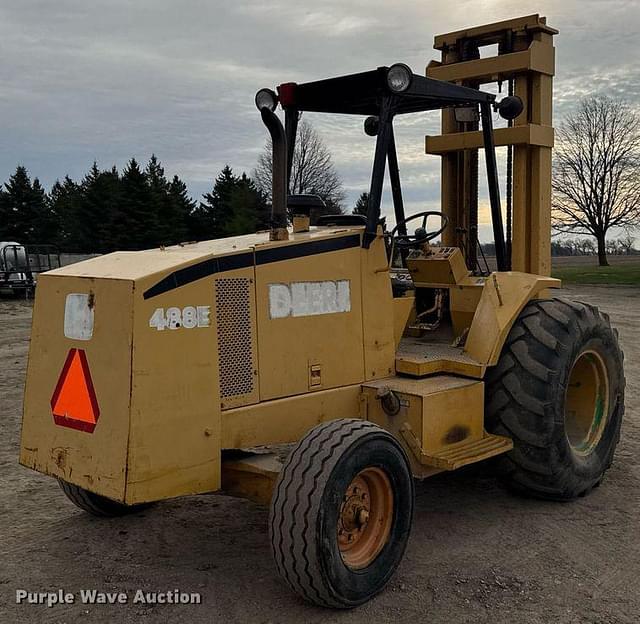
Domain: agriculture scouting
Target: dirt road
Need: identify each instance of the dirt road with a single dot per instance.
(477, 553)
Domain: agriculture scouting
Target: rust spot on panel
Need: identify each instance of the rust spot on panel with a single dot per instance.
(456, 434)
(60, 457)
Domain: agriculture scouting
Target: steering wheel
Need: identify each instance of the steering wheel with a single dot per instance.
(421, 234)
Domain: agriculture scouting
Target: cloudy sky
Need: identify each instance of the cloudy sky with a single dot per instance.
(93, 80)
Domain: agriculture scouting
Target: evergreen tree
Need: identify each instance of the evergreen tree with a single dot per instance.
(137, 223)
(213, 214)
(160, 204)
(248, 210)
(156, 179)
(21, 216)
(136, 210)
(48, 225)
(66, 203)
(170, 204)
(101, 223)
(25, 214)
(4, 215)
(235, 206)
(183, 207)
(362, 205)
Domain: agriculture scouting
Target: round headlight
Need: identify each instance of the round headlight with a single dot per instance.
(266, 98)
(371, 126)
(510, 107)
(399, 77)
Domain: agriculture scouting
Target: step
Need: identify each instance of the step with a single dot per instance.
(458, 455)
(420, 358)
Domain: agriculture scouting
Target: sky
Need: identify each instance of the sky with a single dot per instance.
(83, 81)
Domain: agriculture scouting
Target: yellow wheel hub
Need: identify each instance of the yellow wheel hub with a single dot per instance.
(587, 402)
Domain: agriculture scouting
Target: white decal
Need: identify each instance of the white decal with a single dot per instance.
(78, 316)
(309, 298)
(174, 318)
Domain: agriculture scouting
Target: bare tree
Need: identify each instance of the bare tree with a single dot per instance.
(596, 174)
(312, 171)
(612, 247)
(626, 243)
(587, 248)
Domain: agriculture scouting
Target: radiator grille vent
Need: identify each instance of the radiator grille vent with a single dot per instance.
(235, 340)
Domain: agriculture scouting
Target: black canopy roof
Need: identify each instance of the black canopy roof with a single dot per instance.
(360, 94)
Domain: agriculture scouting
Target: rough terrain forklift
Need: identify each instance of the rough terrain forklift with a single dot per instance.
(379, 356)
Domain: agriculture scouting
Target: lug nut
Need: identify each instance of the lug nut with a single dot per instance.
(363, 517)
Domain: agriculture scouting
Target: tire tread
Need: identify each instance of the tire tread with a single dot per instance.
(294, 503)
(95, 504)
(523, 389)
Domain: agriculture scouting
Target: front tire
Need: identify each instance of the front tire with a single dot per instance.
(558, 392)
(341, 513)
(97, 505)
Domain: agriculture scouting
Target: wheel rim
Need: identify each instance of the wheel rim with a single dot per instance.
(587, 402)
(366, 514)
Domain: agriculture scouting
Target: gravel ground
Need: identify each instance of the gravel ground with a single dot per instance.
(477, 553)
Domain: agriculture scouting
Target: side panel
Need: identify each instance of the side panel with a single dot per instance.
(309, 314)
(175, 411)
(463, 301)
(453, 415)
(93, 460)
(287, 420)
(403, 308)
(377, 312)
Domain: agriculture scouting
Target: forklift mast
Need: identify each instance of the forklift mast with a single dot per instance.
(525, 61)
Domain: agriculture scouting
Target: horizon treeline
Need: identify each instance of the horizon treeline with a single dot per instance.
(138, 208)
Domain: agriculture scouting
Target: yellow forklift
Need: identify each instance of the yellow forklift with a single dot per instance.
(321, 368)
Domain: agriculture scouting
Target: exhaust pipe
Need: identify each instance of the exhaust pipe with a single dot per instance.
(279, 175)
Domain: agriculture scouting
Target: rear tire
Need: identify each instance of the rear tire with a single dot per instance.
(98, 505)
(558, 392)
(341, 513)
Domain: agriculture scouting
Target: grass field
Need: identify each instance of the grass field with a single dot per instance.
(585, 270)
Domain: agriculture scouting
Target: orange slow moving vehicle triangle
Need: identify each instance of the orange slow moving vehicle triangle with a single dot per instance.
(74, 402)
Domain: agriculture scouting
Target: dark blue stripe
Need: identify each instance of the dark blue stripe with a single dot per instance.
(192, 273)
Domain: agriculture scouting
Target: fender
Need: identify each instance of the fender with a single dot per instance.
(504, 296)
